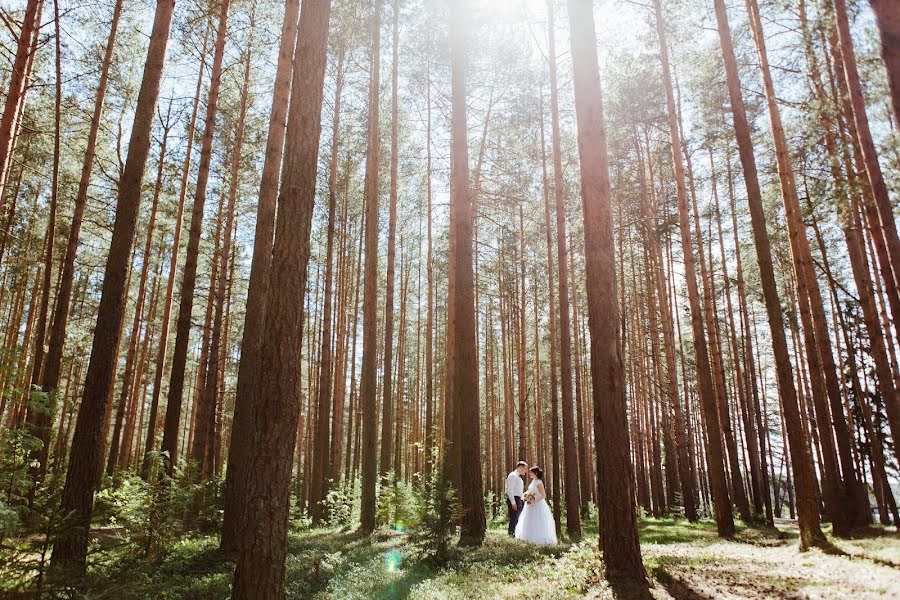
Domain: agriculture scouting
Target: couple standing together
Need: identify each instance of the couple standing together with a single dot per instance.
(530, 518)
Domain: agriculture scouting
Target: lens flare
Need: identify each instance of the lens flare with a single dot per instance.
(392, 561)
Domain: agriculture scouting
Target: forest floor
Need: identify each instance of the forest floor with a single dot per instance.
(684, 561)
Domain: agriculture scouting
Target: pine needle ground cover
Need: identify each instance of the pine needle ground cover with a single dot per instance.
(684, 560)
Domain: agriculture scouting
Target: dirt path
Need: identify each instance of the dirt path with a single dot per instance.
(769, 567)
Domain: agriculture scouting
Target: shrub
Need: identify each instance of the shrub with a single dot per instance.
(398, 506)
(439, 512)
(340, 503)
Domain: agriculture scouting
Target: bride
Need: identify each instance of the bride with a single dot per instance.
(536, 523)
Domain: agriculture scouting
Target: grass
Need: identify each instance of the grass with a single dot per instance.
(325, 564)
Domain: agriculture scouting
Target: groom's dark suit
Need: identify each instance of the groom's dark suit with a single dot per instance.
(514, 514)
(514, 491)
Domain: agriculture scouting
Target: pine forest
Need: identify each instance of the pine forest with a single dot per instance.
(449, 299)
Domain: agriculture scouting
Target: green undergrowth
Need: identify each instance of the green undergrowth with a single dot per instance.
(339, 563)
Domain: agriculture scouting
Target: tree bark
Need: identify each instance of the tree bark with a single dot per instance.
(367, 395)
(189, 276)
(260, 566)
(248, 369)
(570, 448)
(322, 443)
(618, 522)
(804, 476)
(70, 548)
(462, 339)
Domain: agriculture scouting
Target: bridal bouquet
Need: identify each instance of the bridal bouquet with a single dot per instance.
(528, 497)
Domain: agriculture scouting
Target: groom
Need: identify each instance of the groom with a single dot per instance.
(515, 487)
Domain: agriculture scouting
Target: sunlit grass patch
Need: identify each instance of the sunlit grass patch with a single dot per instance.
(884, 548)
(676, 531)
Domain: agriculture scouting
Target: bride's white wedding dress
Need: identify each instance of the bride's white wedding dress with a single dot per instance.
(536, 522)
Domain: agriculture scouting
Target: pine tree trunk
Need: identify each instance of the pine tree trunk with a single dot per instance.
(585, 462)
(462, 339)
(70, 548)
(387, 420)
(210, 392)
(353, 417)
(714, 451)
(521, 378)
(747, 349)
(57, 338)
(804, 476)
(322, 443)
(248, 369)
(715, 351)
(429, 317)
(756, 476)
(848, 506)
(26, 47)
(867, 145)
(368, 394)
(42, 421)
(131, 422)
(150, 443)
(189, 276)
(555, 479)
(688, 491)
(131, 355)
(887, 17)
(260, 566)
(618, 522)
(570, 448)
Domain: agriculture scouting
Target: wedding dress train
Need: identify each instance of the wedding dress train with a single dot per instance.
(536, 522)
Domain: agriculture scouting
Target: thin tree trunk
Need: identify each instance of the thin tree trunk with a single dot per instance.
(387, 402)
(42, 421)
(570, 448)
(688, 491)
(804, 476)
(322, 443)
(26, 47)
(847, 505)
(867, 145)
(209, 393)
(555, 478)
(125, 454)
(367, 394)
(150, 443)
(429, 317)
(189, 275)
(131, 355)
(714, 450)
(57, 337)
